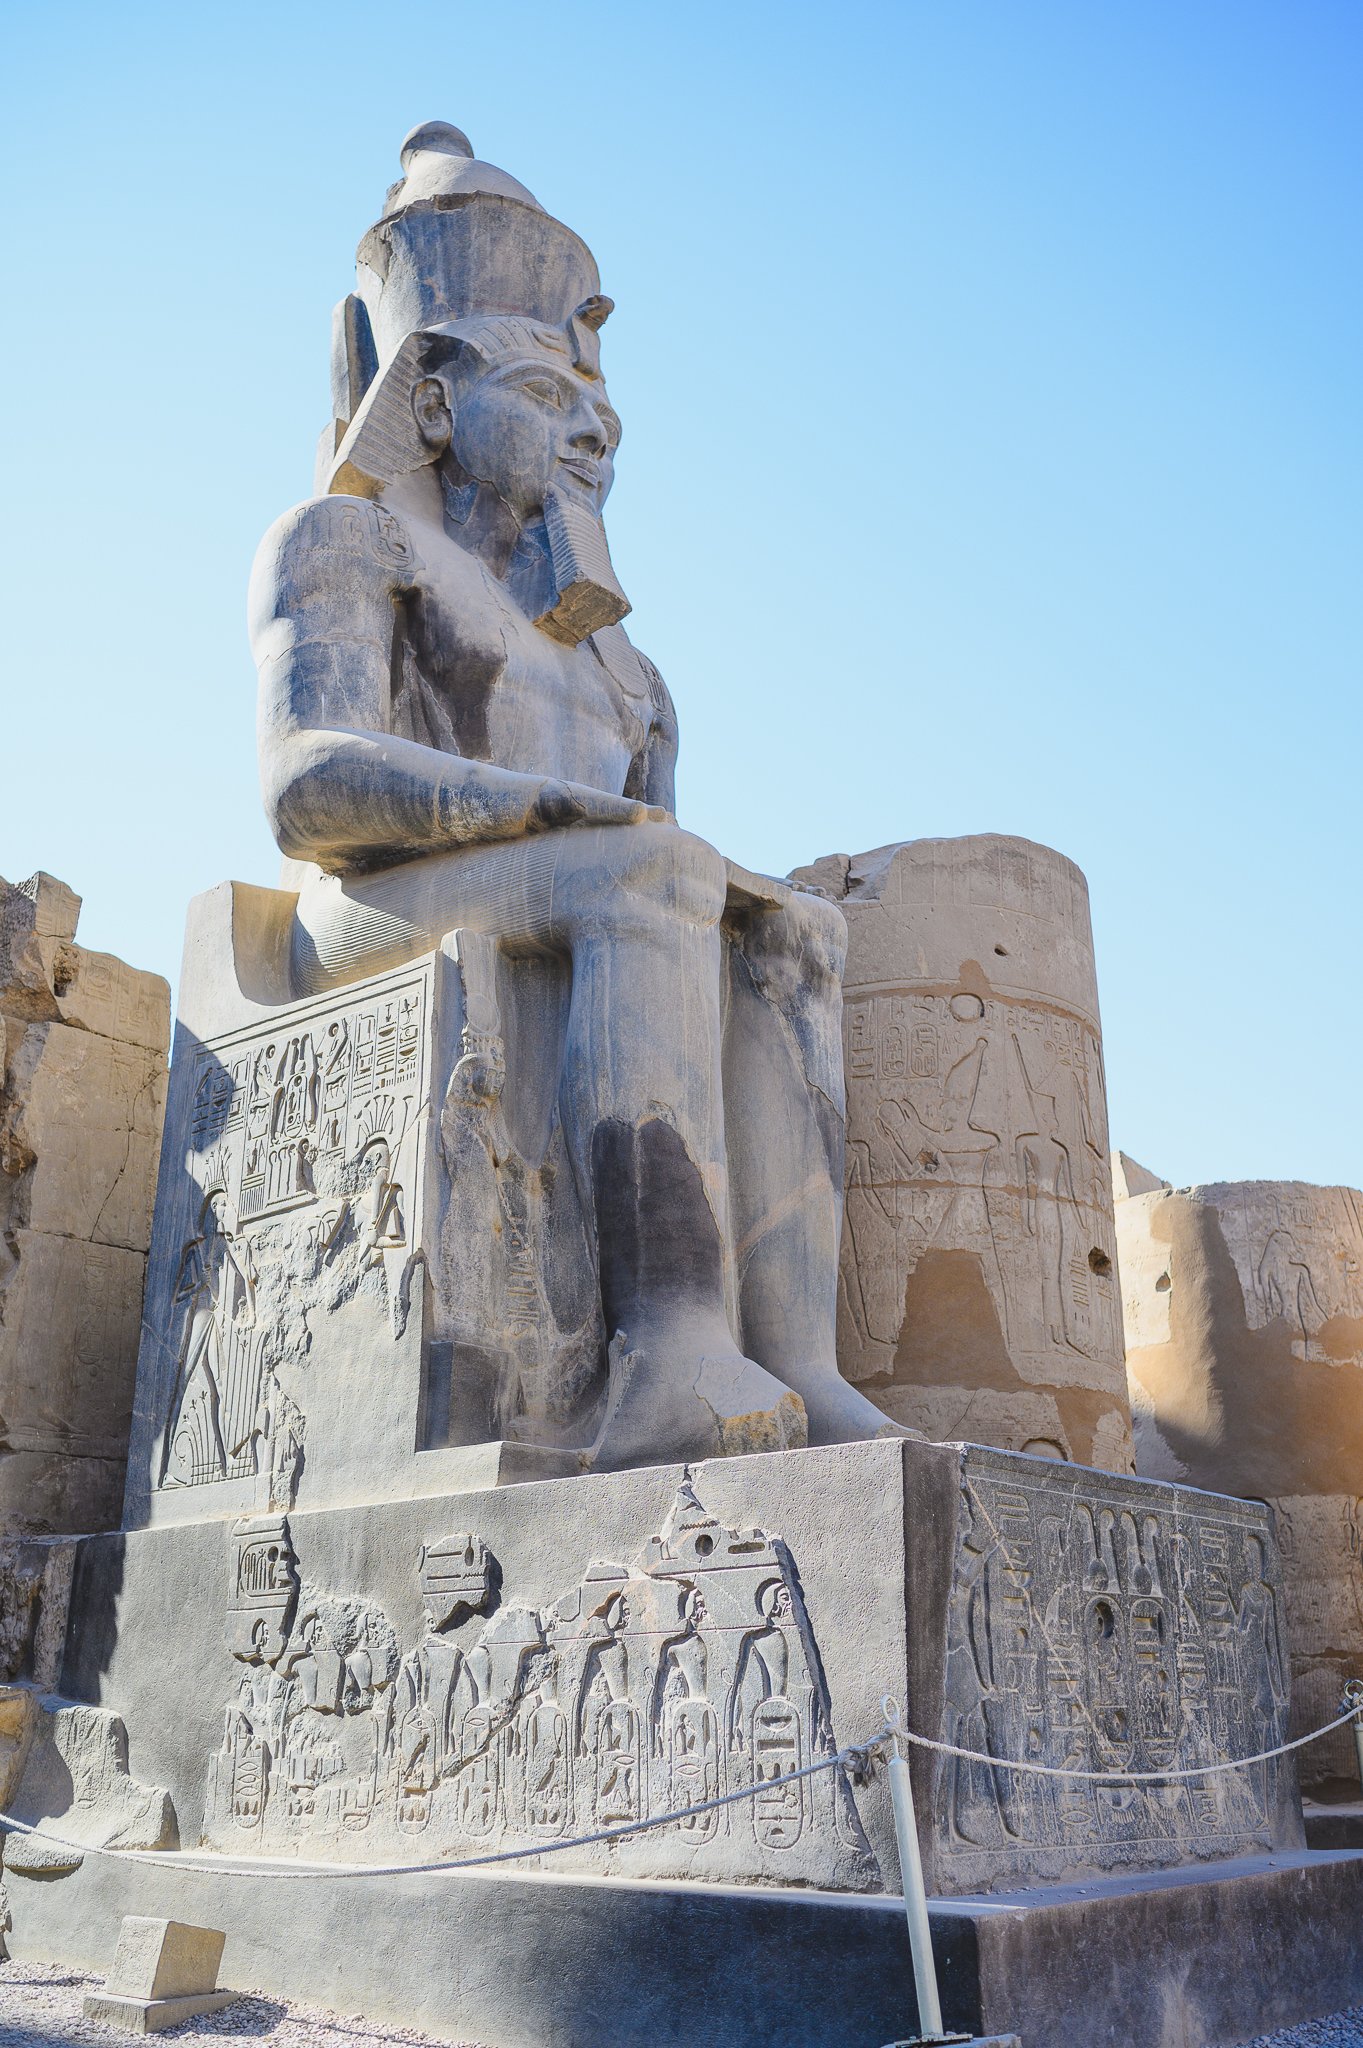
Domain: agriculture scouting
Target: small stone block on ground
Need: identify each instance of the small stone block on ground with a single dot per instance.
(151, 2015)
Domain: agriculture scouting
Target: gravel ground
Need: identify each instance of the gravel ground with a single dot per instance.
(40, 2007)
(1340, 2030)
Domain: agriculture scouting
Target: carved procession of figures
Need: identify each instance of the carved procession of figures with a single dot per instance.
(645, 1690)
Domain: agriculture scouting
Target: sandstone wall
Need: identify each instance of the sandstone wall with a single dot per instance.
(1243, 1307)
(83, 1041)
(978, 1293)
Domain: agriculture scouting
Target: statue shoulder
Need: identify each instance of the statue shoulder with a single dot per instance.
(637, 676)
(336, 543)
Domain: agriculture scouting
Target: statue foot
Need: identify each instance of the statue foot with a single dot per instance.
(675, 1396)
(839, 1413)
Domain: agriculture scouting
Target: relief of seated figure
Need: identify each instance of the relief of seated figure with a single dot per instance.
(455, 733)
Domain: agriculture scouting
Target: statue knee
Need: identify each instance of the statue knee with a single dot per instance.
(657, 871)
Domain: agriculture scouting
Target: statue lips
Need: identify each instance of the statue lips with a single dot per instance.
(585, 471)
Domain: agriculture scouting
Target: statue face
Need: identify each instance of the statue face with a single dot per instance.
(533, 423)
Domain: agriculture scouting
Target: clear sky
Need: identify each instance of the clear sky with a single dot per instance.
(991, 385)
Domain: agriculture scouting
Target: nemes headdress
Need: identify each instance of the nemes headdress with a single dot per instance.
(464, 264)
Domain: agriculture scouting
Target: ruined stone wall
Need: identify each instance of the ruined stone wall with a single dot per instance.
(1243, 1308)
(977, 1290)
(83, 1042)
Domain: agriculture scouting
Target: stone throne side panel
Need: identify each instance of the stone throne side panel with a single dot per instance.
(289, 1251)
(977, 1291)
(368, 1252)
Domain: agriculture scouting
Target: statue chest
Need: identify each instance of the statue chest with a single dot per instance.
(473, 676)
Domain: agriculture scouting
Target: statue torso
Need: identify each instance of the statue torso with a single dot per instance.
(473, 676)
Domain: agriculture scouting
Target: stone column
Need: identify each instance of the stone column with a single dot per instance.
(83, 1042)
(1243, 1305)
(977, 1290)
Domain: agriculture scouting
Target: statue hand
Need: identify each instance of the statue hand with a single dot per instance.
(572, 803)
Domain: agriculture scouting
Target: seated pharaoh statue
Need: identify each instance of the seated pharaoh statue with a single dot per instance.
(457, 735)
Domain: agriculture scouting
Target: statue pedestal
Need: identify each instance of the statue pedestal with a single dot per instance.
(532, 1961)
(437, 1678)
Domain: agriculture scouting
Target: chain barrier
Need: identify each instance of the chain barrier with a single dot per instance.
(859, 1759)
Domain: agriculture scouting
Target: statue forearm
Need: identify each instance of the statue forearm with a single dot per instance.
(344, 798)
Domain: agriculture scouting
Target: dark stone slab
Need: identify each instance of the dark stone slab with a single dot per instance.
(1151, 1961)
(1333, 1827)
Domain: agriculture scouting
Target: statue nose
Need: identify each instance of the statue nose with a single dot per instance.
(588, 433)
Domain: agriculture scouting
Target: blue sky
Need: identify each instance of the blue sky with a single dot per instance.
(990, 380)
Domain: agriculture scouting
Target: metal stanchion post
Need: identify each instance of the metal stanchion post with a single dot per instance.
(915, 1894)
(1353, 1697)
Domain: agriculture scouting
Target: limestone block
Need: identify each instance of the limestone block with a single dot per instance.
(68, 1368)
(977, 1291)
(162, 1973)
(86, 1112)
(82, 1094)
(164, 1959)
(1243, 1304)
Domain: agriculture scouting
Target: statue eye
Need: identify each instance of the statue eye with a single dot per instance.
(543, 388)
(610, 423)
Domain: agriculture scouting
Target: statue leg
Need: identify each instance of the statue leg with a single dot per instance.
(643, 1114)
(783, 1084)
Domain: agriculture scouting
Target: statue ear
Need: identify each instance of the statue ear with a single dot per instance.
(431, 410)
(389, 436)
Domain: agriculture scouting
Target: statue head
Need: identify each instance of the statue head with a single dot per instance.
(522, 407)
(473, 343)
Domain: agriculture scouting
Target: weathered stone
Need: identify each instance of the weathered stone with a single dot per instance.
(1243, 1304)
(164, 1959)
(517, 1958)
(1320, 1542)
(163, 1972)
(622, 1646)
(977, 1294)
(82, 1092)
(73, 1787)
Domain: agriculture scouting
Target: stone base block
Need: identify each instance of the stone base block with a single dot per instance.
(529, 1961)
(152, 2015)
(1333, 1827)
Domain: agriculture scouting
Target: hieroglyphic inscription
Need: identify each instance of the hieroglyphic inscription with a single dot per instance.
(1103, 1625)
(644, 1690)
(302, 1156)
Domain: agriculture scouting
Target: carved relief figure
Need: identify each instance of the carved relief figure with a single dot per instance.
(306, 1144)
(645, 1689)
(1095, 1633)
(213, 1404)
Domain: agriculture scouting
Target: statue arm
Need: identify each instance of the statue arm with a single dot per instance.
(339, 788)
(653, 771)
